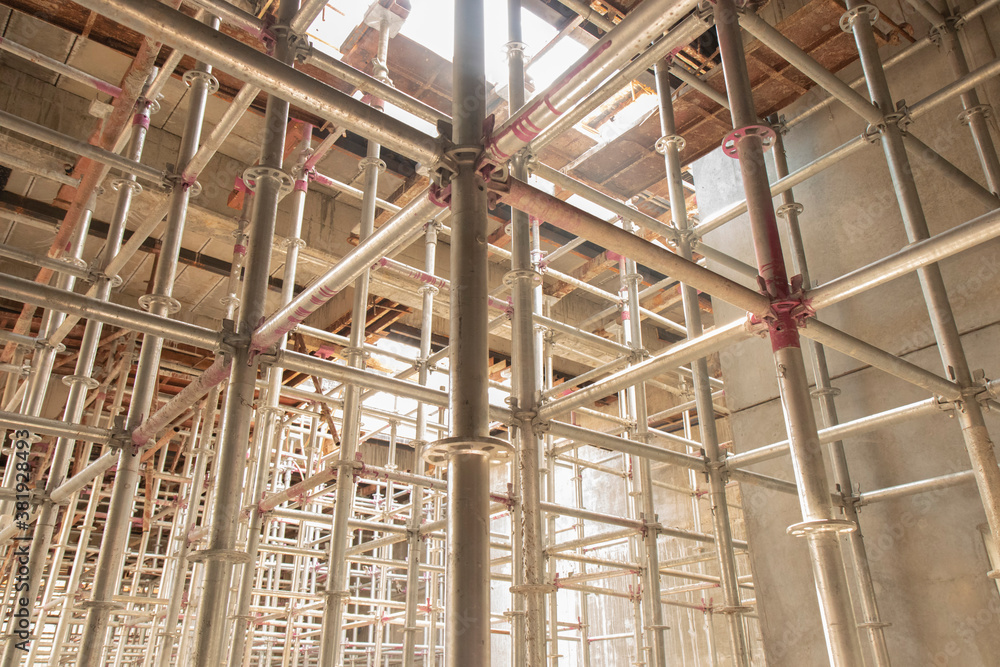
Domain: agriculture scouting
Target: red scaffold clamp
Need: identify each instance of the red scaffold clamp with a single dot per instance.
(785, 317)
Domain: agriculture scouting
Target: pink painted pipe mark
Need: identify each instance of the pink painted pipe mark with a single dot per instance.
(212, 376)
(519, 127)
(321, 179)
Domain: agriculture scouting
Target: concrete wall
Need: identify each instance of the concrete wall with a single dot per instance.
(928, 558)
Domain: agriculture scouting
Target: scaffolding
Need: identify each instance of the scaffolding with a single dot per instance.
(424, 513)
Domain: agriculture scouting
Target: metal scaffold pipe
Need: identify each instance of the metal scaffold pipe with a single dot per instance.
(689, 30)
(232, 15)
(36, 386)
(633, 35)
(160, 22)
(914, 257)
(268, 419)
(529, 588)
(819, 523)
(81, 381)
(732, 605)
(519, 194)
(221, 554)
(414, 543)
(201, 433)
(871, 621)
(382, 242)
(645, 506)
(965, 83)
(338, 580)
(161, 303)
(668, 359)
(28, 291)
(41, 133)
(638, 217)
(913, 488)
(974, 432)
(381, 89)
(849, 429)
(806, 64)
(60, 67)
(467, 450)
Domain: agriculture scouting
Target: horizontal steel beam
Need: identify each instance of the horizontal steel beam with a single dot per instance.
(912, 257)
(54, 427)
(665, 361)
(850, 429)
(27, 291)
(80, 147)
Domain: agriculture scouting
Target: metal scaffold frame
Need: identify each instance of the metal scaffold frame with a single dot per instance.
(262, 549)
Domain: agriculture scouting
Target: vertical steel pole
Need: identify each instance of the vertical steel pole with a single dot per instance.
(525, 392)
(201, 435)
(24, 605)
(820, 525)
(269, 417)
(83, 540)
(670, 146)
(81, 381)
(208, 443)
(231, 457)
(632, 329)
(871, 622)
(152, 492)
(420, 440)
(467, 604)
(550, 495)
(75, 574)
(859, 19)
(11, 383)
(337, 579)
(640, 602)
(162, 303)
(36, 385)
(584, 616)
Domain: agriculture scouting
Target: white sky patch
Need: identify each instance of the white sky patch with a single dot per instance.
(592, 208)
(633, 114)
(431, 23)
(335, 23)
(556, 62)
